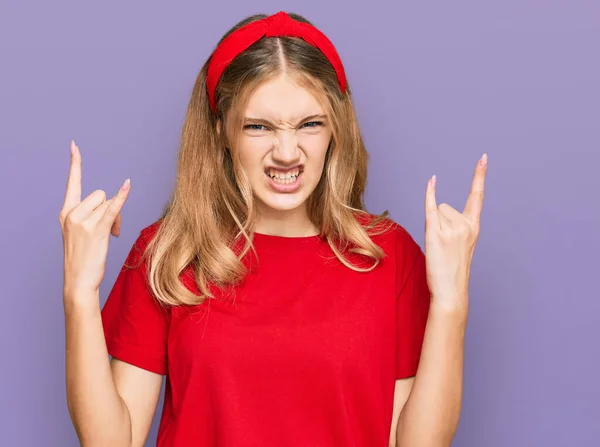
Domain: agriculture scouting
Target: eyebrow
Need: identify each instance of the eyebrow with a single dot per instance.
(306, 118)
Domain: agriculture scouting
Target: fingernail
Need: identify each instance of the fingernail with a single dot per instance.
(126, 185)
(483, 161)
(433, 178)
(72, 147)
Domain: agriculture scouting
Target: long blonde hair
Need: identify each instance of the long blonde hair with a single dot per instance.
(207, 224)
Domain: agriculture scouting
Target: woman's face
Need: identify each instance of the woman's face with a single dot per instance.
(283, 144)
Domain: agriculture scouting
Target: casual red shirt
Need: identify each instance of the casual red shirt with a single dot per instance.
(306, 354)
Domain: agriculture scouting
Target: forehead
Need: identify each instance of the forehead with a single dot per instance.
(282, 98)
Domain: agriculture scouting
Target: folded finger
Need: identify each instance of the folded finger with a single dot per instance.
(88, 205)
(449, 213)
(116, 226)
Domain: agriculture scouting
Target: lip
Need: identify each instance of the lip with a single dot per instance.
(287, 168)
(287, 188)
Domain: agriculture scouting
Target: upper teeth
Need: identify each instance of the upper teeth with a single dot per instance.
(283, 175)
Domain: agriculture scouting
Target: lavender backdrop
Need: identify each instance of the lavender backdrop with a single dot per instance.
(435, 85)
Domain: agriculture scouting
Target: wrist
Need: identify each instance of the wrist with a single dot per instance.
(75, 300)
(453, 313)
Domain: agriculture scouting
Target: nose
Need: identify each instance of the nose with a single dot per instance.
(285, 149)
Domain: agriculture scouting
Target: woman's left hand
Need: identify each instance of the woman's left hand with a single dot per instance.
(450, 238)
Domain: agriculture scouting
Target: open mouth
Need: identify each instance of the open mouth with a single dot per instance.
(284, 177)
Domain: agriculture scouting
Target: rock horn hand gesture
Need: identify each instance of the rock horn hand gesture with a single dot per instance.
(86, 228)
(450, 239)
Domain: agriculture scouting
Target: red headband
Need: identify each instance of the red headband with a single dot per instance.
(279, 24)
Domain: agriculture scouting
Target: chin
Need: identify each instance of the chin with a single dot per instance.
(282, 202)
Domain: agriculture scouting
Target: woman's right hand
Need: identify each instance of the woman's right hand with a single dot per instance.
(86, 228)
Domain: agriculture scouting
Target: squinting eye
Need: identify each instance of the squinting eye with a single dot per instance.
(316, 123)
(254, 126)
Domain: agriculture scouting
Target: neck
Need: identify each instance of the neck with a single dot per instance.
(289, 223)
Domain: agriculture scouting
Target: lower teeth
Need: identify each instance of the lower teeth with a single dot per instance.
(286, 181)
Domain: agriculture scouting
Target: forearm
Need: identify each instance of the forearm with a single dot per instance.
(430, 416)
(99, 415)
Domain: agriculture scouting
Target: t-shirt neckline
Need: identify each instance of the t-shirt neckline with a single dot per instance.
(271, 240)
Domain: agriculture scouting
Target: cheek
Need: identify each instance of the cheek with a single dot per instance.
(315, 146)
(252, 152)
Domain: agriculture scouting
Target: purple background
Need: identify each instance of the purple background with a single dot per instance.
(435, 85)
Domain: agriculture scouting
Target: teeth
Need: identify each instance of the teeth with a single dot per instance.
(289, 175)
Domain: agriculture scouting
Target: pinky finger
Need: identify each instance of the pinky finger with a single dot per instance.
(432, 219)
(114, 207)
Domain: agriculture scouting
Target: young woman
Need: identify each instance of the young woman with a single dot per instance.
(279, 310)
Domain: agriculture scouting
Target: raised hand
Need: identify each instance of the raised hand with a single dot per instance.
(86, 229)
(450, 239)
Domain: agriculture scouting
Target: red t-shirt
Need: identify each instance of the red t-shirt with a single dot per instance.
(306, 354)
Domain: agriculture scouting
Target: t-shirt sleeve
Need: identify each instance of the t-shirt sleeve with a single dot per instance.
(135, 324)
(412, 305)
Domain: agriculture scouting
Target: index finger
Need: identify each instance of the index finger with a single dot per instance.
(475, 200)
(73, 192)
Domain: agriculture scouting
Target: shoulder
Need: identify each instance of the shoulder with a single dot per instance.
(404, 240)
(140, 244)
(403, 255)
(399, 246)
(148, 232)
(146, 235)
(387, 232)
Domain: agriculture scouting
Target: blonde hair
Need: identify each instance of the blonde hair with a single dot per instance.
(207, 224)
